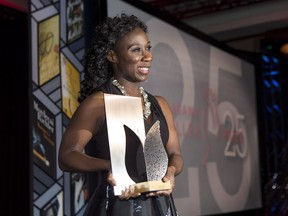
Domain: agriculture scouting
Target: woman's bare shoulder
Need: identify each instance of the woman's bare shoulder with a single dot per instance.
(93, 105)
(161, 100)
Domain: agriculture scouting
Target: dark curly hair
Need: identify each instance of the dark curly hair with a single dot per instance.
(98, 69)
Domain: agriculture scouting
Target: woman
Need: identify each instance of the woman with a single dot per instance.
(118, 61)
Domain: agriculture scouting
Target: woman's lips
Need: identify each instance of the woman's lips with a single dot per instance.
(144, 70)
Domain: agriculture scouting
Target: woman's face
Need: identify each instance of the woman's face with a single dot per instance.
(133, 56)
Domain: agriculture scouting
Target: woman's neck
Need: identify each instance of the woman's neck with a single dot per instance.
(131, 88)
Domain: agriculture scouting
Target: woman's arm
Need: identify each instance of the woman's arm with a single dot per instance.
(87, 119)
(175, 160)
(173, 146)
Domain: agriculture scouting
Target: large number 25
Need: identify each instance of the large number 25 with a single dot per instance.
(226, 111)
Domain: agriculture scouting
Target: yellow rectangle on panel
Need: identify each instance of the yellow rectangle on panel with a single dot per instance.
(70, 84)
(48, 49)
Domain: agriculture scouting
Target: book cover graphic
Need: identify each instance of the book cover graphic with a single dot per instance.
(44, 138)
(54, 207)
(75, 19)
(48, 49)
(79, 192)
(70, 83)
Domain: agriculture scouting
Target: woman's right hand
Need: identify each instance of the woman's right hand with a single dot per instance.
(127, 193)
(110, 178)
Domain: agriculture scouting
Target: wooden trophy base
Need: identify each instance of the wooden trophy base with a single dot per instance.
(150, 186)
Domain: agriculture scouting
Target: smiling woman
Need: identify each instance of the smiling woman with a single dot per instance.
(118, 61)
(132, 57)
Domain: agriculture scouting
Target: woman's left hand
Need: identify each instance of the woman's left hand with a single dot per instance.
(169, 176)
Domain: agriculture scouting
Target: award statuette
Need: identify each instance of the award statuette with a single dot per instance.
(156, 162)
(137, 160)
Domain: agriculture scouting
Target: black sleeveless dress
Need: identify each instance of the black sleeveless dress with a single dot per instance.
(102, 202)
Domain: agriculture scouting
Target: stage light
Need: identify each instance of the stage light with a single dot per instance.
(275, 83)
(284, 48)
(269, 47)
(268, 108)
(267, 84)
(272, 73)
(265, 58)
(276, 107)
(275, 60)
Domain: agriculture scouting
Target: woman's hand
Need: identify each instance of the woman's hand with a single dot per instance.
(169, 176)
(110, 178)
(127, 193)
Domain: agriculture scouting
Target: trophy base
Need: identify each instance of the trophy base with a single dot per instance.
(150, 186)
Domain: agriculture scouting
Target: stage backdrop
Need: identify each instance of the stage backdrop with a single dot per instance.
(212, 95)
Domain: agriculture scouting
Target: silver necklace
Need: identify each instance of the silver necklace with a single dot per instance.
(147, 104)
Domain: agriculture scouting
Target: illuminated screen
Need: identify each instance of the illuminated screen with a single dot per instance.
(212, 95)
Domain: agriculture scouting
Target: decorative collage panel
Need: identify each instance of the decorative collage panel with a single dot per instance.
(58, 47)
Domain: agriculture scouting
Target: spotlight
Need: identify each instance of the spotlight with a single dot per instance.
(284, 48)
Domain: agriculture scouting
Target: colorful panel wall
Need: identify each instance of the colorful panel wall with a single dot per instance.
(57, 51)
